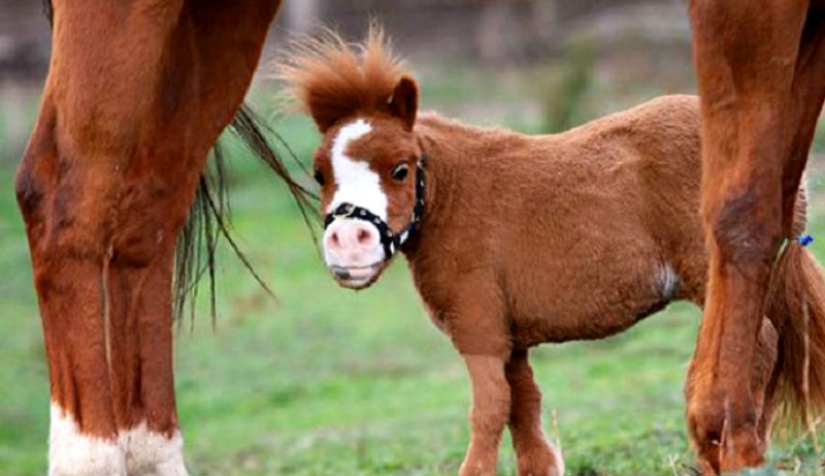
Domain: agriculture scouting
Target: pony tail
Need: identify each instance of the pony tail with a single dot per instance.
(796, 307)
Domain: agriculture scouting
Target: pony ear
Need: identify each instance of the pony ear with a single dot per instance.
(404, 101)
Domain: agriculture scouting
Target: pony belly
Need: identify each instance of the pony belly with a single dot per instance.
(592, 325)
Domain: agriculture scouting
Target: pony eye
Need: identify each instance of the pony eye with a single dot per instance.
(319, 177)
(399, 172)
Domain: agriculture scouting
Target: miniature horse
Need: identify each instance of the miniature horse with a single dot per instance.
(517, 240)
(760, 67)
(136, 95)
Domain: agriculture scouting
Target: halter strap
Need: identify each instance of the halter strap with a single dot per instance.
(390, 241)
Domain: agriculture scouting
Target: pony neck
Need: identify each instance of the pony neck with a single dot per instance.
(458, 158)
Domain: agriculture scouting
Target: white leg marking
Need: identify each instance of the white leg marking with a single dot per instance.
(149, 453)
(75, 454)
(356, 182)
(668, 281)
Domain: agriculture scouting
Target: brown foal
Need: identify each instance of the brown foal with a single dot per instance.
(517, 240)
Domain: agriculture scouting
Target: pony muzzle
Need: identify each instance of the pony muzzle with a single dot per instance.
(353, 252)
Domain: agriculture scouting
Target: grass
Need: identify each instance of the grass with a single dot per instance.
(329, 381)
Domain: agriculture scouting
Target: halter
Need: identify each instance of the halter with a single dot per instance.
(389, 240)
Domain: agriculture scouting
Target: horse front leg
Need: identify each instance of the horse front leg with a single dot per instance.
(744, 223)
(68, 208)
(536, 456)
(765, 375)
(140, 283)
(744, 66)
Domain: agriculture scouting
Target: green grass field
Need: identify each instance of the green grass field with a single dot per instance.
(327, 381)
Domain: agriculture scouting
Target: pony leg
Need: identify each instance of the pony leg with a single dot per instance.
(536, 456)
(745, 67)
(491, 407)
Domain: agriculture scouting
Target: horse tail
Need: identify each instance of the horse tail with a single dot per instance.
(796, 307)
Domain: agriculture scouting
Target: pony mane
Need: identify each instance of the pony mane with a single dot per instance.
(331, 79)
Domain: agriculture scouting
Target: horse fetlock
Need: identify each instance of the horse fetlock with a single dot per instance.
(705, 425)
(73, 452)
(725, 439)
(150, 453)
(741, 448)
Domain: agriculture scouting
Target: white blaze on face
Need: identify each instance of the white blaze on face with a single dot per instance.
(151, 453)
(355, 182)
(358, 185)
(73, 453)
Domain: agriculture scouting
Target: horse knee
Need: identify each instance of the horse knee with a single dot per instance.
(745, 228)
(28, 190)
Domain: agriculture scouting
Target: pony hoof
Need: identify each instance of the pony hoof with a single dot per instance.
(477, 468)
(546, 461)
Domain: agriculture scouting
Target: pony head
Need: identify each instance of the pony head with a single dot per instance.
(368, 164)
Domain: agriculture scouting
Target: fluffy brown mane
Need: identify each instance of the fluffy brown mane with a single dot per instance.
(331, 79)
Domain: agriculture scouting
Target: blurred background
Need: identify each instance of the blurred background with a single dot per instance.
(328, 381)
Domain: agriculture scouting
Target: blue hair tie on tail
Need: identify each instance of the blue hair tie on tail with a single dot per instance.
(805, 240)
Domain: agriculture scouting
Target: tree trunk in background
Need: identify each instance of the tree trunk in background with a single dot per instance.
(493, 34)
(507, 30)
(544, 16)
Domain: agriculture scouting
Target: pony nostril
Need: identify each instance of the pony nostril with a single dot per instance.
(363, 236)
(334, 239)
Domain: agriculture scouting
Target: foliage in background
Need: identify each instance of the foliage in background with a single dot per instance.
(568, 87)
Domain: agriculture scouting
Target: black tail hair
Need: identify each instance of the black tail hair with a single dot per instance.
(47, 10)
(209, 216)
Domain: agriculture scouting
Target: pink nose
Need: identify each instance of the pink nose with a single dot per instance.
(351, 235)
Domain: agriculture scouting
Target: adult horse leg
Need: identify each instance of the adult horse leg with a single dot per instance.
(765, 375)
(222, 61)
(536, 456)
(67, 206)
(139, 282)
(69, 187)
(745, 65)
(807, 97)
(110, 170)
